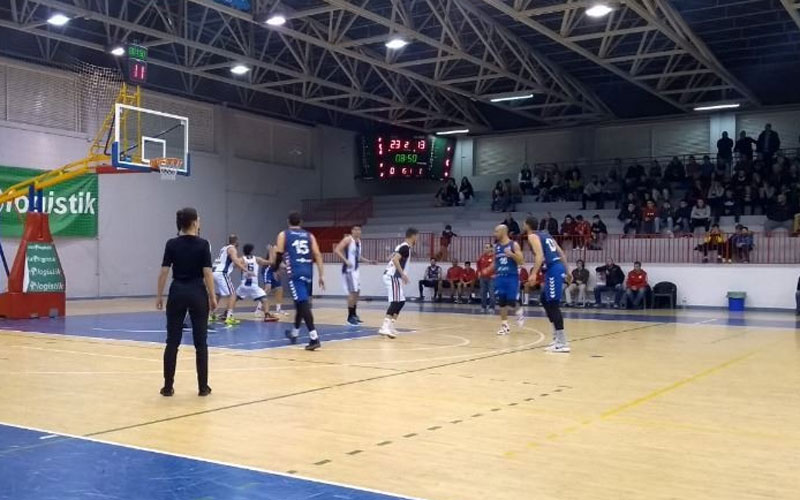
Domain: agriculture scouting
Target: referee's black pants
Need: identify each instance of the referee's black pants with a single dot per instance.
(186, 296)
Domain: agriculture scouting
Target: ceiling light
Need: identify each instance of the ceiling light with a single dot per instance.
(598, 10)
(276, 20)
(117, 50)
(453, 132)
(396, 43)
(239, 69)
(511, 98)
(714, 107)
(58, 20)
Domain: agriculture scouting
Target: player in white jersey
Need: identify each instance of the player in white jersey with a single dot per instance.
(248, 288)
(223, 268)
(349, 250)
(394, 277)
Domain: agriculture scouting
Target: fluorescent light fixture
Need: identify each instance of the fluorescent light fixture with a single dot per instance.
(511, 98)
(598, 10)
(396, 43)
(117, 50)
(276, 20)
(58, 20)
(239, 69)
(714, 107)
(453, 132)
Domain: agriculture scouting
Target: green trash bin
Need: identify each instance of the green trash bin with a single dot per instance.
(736, 301)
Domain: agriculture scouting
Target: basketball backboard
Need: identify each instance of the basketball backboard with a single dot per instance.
(142, 135)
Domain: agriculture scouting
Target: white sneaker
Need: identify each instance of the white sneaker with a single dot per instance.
(504, 330)
(562, 348)
(393, 329)
(520, 317)
(387, 332)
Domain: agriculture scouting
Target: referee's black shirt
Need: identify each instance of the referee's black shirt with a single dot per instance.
(187, 255)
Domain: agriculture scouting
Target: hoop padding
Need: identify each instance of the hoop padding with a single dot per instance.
(168, 167)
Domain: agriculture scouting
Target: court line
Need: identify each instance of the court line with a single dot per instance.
(209, 461)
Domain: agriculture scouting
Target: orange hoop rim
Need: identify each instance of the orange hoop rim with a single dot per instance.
(159, 163)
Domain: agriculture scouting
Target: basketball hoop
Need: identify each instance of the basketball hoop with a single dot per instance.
(167, 166)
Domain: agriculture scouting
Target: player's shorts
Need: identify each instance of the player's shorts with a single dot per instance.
(250, 292)
(300, 288)
(351, 282)
(506, 288)
(223, 284)
(271, 279)
(553, 286)
(394, 288)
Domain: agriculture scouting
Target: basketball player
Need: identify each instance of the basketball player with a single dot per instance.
(223, 268)
(507, 259)
(248, 288)
(547, 253)
(394, 277)
(299, 250)
(272, 284)
(349, 250)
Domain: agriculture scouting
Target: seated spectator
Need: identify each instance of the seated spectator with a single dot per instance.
(749, 199)
(730, 206)
(580, 279)
(486, 278)
(714, 241)
(675, 172)
(741, 243)
(558, 191)
(549, 224)
(630, 218)
(593, 192)
(432, 279)
(650, 220)
(692, 168)
(498, 198)
(700, 216)
(739, 181)
(444, 242)
(583, 232)
(714, 198)
(447, 195)
(666, 217)
(452, 280)
(766, 194)
(683, 217)
(466, 285)
(466, 190)
(568, 226)
(696, 192)
(526, 180)
(612, 190)
(512, 225)
(545, 184)
(707, 168)
(599, 233)
(636, 287)
(610, 278)
(779, 216)
(574, 185)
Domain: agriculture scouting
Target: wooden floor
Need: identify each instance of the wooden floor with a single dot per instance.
(639, 410)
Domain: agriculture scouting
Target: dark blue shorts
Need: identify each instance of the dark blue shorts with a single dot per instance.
(553, 286)
(270, 278)
(300, 288)
(506, 288)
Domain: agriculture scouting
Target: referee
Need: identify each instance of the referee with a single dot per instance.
(192, 290)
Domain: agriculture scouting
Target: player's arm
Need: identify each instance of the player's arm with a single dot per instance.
(236, 260)
(162, 282)
(317, 256)
(563, 257)
(396, 262)
(208, 279)
(280, 246)
(538, 255)
(516, 254)
(262, 261)
(339, 250)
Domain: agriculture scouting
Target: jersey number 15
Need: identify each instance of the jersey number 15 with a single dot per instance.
(300, 246)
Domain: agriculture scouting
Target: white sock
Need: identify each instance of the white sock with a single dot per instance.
(295, 332)
(505, 324)
(387, 322)
(228, 314)
(278, 308)
(313, 335)
(259, 307)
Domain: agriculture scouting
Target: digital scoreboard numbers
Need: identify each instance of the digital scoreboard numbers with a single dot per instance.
(393, 156)
(137, 64)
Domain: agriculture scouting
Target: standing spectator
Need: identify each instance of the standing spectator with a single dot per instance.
(593, 192)
(583, 232)
(666, 217)
(683, 217)
(432, 279)
(636, 286)
(700, 216)
(549, 224)
(511, 224)
(744, 146)
(725, 150)
(613, 277)
(675, 172)
(650, 220)
(526, 180)
(466, 285)
(444, 242)
(486, 278)
(599, 233)
(466, 190)
(769, 142)
(630, 218)
(453, 280)
(580, 279)
(779, 216)
(713, 241)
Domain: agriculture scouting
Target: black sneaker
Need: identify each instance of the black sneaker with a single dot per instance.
(292, 338)
(313, 345)
(359, 319)
(205, 391)
(167, 392)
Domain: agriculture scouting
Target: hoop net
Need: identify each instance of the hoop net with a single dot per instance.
(97, 88)
(168, 167)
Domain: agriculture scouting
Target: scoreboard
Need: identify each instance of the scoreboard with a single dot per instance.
(406, 156)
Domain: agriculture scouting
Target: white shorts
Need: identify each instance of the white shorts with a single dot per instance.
(394, 288)
(351, 282)
(223, 284)
(253, 292)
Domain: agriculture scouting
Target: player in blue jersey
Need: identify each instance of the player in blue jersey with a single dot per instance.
(548, 254)
(507, 259)
(299, 251)
(272, 285)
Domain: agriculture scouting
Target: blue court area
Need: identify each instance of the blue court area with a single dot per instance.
(39, 466)
(151, 327)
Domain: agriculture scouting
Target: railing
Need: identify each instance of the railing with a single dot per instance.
(341, 211)
(776, 249)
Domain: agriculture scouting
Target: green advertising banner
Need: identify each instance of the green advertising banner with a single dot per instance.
(72, 205)
(42, 269)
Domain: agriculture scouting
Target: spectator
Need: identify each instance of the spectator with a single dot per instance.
(575, 185)
(696, 192)
(714, 241)
(514, 195)
(498, 198)
(599, 233)
(580, 279)
(593, 192)
(739, 181)
(636, 286)
(634, 173)
(769, 142)
(741, 243)
(779, 216)
(568, 226)
(444, 242)
(583, 232)
(466, 190)
(749, 199)
(549, 224)
(453, 279)
(526, 180)
(486, 278)
(630, 218)
(714, 197)
(666, 217)
(700, 216)
(706, 168)
(744, 146)
(683, 217)
(655, 170)
(467, 284)
(675, 171)
(766, 195)
(432, 279)
(526, 288)
(730, 206)
(511, 224)
(447, 195)
(544, 187)
(612, 189)
(612, 277)
(558, 190)
(650, 220)
(725, 149)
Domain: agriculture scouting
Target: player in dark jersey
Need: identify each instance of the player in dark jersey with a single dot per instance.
(394, 277)
(507, 259)
(299, 250)
(549, 255)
